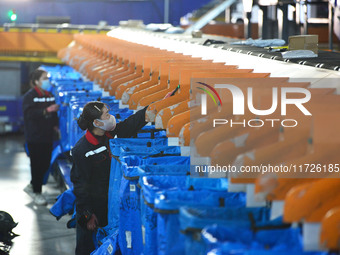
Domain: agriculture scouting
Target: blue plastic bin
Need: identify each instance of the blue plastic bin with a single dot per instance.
(150, 186)
(109, 246)
(116, 172)
(167, 204)
(235, 240)
(115, 144)
(121, 114)
(193, 220)
(147, 132)
(130, 229)
(136, 161)
(207, 183)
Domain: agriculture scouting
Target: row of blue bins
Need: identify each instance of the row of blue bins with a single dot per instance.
(155, 207)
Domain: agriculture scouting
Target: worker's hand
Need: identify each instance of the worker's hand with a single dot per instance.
(52, 108)
(92, 223)
(150, 115)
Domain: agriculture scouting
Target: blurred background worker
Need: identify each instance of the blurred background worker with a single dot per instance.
(41, 121)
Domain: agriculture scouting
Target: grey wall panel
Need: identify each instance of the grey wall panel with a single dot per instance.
(10, 81)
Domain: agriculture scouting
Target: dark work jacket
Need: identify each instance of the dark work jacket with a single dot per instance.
(38, 126)
(90, 172)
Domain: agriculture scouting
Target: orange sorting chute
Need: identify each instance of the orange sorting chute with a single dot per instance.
(330, 234)
(324, 150)
(227, 150)
(310, 202)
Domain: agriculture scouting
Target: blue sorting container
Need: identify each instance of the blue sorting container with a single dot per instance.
(136, 161)
(88, 96)
(60, 90)
(238, 249)
(207, 183)
(116, 172)
(111, 101)
(117, 143)
(64, 86)
(59, 72)
(235, 240)
(167, 204)
(62, 73)
(121, 114)
(75, 132)
(150, 131)
(193, 220)
(130, 228)
(150, 186)
(109, 246)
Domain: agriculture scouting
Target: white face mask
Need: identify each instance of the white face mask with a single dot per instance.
(109, 125)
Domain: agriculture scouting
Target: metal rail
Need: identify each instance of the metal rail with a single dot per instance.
(56, 27)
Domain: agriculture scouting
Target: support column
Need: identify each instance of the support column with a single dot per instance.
(263, 22)
(247, 26)
(330, 25)
(282, 18)
(166, 10)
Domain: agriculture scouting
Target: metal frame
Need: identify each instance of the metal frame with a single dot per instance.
(210, 15)
(330, 25)
(58, 27)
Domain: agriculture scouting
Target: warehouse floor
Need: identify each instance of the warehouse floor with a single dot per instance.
(40, 233)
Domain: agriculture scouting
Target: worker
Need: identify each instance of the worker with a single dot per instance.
(90, 172)
(40, 125)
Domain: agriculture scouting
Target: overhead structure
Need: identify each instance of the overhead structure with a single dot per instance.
(210, 15)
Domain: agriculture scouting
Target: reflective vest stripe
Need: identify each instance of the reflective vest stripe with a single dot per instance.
(96, 151)
(43, 99)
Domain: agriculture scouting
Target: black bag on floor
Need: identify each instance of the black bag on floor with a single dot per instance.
(6, 235)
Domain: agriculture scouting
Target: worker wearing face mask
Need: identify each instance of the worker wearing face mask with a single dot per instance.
(40, 121)
(90, 172)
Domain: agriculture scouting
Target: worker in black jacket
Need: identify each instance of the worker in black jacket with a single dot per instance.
(90, 172)
(40, 121)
